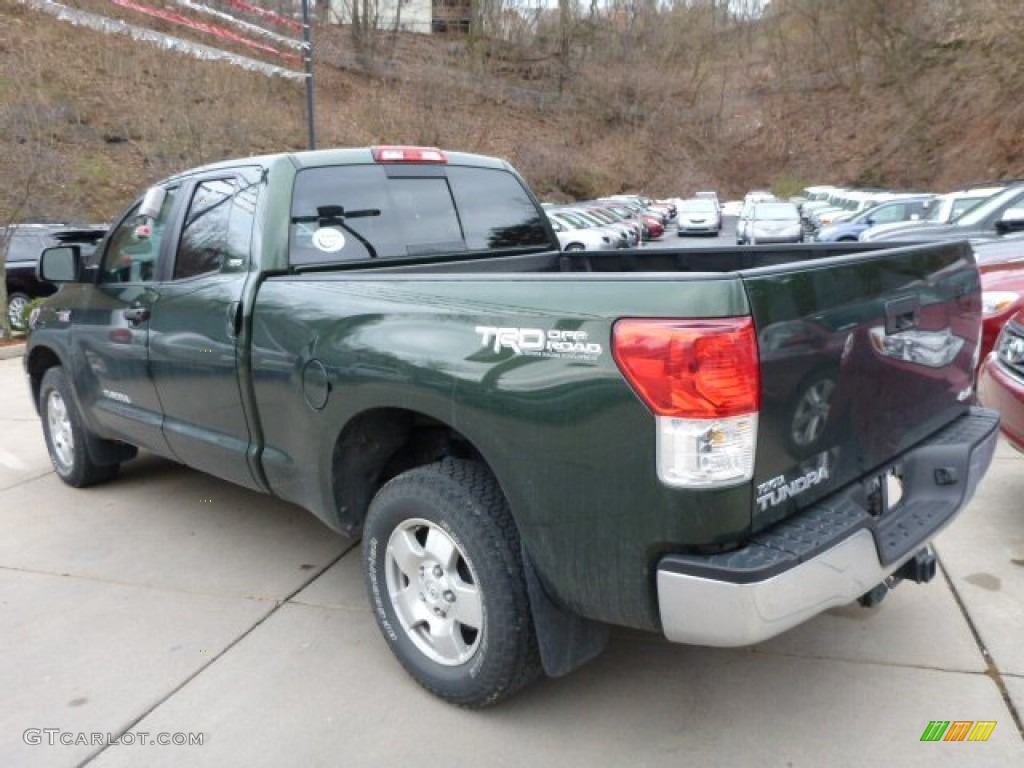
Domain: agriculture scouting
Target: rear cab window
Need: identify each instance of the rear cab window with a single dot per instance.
(358, 212)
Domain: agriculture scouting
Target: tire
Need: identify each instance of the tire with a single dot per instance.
(444, 576)
(16, 302)
(575, 247)
(66, 435)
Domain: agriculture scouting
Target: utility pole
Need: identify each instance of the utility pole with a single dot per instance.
(308, 59)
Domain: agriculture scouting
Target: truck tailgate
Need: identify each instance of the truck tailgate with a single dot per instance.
(861, 357)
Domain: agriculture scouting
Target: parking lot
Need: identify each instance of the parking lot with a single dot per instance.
(169, 606)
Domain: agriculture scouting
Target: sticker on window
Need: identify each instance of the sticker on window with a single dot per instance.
(328, 240)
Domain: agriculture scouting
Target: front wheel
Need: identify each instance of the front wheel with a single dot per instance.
(66, 434)
(444, 576)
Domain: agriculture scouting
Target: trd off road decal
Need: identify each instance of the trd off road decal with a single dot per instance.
(536, 342)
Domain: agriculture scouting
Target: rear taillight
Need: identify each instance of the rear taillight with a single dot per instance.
(408, 155)
(692, 369)
(701, 379)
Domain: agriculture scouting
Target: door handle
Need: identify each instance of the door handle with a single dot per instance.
(901, 314)
(136, 315)
(233, 317)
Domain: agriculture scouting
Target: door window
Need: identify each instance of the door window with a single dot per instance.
(134, 247)
(203, 244)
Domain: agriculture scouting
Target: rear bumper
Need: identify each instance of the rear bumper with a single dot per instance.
(829, 554)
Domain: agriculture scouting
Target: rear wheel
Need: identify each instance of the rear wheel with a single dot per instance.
(575, 247)
(444, 575)
(66, 434)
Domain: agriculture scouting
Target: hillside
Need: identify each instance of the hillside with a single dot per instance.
(917, 94)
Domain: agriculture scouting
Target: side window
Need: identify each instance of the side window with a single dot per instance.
(240, 227)
(204, 244)
(23, 247)
(889, 213)
(134, 247)
(495, 209)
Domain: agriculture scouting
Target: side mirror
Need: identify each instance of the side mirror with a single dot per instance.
(1011, 221)
(152, 202)
(60, 264)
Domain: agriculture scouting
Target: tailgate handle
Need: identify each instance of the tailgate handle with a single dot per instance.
(901, 314)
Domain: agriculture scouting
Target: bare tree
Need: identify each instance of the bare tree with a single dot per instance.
(26, 174)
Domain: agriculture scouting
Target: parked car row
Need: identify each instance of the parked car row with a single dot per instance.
(942, 209)
(999, 214)
(621, 221)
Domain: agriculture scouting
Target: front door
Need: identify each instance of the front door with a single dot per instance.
(112, 331)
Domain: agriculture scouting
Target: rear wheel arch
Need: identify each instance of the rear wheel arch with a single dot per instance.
(379, 444)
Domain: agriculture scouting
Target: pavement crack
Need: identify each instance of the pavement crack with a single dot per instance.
(313, 576)
(27, 480)
(992, 669)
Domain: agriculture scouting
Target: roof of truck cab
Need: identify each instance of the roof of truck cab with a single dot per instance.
(339, 156)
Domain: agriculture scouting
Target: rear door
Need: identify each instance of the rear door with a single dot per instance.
(862, 357)
(195, 325)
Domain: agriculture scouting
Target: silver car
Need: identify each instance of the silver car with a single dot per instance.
(574, 237)
(775, 222)
(698, 216)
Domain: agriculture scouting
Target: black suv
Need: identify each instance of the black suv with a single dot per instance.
(25, 243)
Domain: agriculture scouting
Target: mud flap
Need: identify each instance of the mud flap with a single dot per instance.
(566, 641)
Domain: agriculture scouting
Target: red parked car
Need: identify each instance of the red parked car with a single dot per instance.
(1001, 263)
(1001, 380)
(653, 228)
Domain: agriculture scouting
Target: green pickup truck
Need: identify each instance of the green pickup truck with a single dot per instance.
(713, 444)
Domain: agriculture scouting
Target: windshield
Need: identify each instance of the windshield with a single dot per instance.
(776, 212)
(867, 213)
(697, 206)
(981, 211)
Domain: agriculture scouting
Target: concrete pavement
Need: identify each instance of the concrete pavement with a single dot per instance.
(168, 602)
